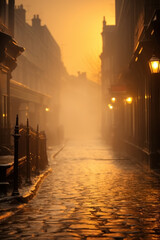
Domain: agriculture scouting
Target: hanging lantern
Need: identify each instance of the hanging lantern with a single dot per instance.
(154, 64)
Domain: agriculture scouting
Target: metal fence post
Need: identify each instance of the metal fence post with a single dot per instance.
(28, 177)
(16, 136)
(37, 150)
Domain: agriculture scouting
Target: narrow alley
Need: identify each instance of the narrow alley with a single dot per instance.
(92, 193)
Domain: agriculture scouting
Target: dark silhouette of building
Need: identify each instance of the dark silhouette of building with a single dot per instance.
(107, 71)
(9, 51)
(127, 49)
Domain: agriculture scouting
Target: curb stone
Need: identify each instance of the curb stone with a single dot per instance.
(23, 199)
(29, 195)
(55, 154)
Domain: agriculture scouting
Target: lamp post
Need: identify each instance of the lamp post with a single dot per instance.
(37, 150)
(16, 143)
(28, 177)
(154, 65)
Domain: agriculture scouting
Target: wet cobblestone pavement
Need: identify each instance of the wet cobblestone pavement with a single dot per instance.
(92, 193)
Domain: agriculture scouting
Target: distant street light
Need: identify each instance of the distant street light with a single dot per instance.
(110, 106)
(113, 99)
(47, 109)
(154, 64)
(129, 100)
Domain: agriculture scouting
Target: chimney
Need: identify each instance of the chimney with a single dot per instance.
(11, 5)
(104, 23)
(36, 21)
(2, 11)
(20, 13)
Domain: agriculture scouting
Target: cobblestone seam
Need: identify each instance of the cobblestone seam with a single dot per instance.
(9, 214)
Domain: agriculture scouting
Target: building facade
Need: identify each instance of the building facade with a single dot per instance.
(32, 90)
(135, 112)
(9, 51)
(107, 73)
(40, 71)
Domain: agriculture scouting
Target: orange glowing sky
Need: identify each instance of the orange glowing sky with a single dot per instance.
(76, 25)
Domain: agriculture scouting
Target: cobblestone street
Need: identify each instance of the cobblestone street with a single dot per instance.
(92, 193)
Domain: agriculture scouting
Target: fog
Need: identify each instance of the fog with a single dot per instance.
(65, 104)
(80, 112)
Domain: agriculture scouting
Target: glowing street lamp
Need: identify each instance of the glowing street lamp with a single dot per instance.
(47, 109)
(110, 106)
(113, 99)
(154, 64)
(129, 100)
